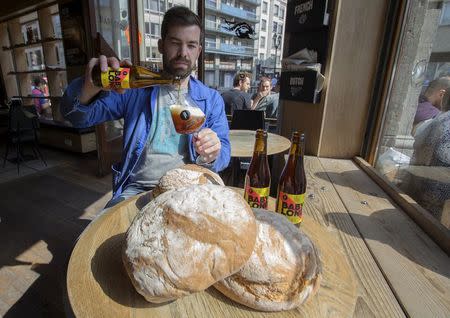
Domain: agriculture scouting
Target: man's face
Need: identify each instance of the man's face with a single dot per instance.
(180, 49)
(245, 84)
(265, 87)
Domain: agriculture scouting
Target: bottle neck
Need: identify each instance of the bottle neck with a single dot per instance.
(260, 145)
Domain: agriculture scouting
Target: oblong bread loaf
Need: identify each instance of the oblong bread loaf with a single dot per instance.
(184, 176)
(185, 240)
(283, 270)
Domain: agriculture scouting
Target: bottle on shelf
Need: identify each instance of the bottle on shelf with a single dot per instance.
(292, 183)
(129, 77)
(257, 178)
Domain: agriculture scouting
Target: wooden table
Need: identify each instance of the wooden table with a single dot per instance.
(242, 144)
(377, 261)
(243, 141)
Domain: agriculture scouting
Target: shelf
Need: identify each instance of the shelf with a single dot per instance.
(45, 70)
(24, 45)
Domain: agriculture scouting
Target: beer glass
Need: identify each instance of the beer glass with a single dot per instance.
(187, 118)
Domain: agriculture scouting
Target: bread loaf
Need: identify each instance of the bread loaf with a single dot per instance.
(185, 240)
(283, 270)
(186, 175)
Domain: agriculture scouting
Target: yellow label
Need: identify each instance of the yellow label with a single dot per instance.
(257, 197)
(116, 79)
(291, 206)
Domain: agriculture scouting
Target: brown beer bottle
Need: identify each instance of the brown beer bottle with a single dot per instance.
(129, 77)
(257, 178)
(292, 184)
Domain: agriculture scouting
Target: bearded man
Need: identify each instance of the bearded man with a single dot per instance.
(151, 145)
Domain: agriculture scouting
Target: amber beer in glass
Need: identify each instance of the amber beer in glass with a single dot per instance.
(257, 178)
(187, 119)
(128, 77)
(292, 184)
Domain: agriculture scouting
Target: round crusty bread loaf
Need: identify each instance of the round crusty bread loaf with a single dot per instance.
(185, 240)
(186, 175)
(283, 271)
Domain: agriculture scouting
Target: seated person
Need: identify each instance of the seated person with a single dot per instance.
(238, 97)
(265, 99)
(432, 142)
(41, 105)
(430, 102)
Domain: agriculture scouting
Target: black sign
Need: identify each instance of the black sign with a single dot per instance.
(299, 86)
(74, 34)
(305, 15)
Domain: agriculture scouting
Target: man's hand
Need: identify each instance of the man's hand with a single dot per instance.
(89, 89)
(207, 145)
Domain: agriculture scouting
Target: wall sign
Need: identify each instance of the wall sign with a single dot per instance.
(299, 86)
(306, 14)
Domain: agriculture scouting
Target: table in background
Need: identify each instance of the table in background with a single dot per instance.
(242, 145)
(383, 264)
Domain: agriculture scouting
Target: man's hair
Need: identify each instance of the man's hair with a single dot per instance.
(179, 16)
(38, 81)
(438, 84)
(265, 79)
(240, 76)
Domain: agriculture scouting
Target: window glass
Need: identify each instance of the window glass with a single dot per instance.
(262, 42)
(414, 148)
(263, 25)
(113, 24)
(264, 7)
(276, 9)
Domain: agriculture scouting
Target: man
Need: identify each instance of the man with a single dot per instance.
(265, 99)
(151, 144)
(238, 97)
(430, 103)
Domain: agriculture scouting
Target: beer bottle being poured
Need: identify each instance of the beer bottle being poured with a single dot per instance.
(129, 77)
(292, 184)
(257, 178)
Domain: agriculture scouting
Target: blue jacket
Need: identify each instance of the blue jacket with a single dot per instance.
(136, 107)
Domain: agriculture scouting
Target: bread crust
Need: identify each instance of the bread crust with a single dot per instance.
(283, 270)
(185, 240)
(186, 175)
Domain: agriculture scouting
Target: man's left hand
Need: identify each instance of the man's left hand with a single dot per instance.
(207, 145)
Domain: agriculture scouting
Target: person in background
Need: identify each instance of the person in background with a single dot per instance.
(265, 99)
(430, 102)
(432, 141)
(238, 97)
(151, 145)
(41, 105)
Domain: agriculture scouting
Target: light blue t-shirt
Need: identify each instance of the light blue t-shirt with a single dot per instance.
(165, 148)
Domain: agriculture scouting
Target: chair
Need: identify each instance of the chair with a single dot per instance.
(247, 119)
(22, 129)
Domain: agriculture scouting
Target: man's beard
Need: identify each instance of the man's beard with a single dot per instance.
(177, 71)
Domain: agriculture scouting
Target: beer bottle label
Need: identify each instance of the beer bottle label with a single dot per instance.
(291, 206)
(116, 79)
(257, 197)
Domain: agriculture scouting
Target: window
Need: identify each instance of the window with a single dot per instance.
(154, 5)
(412, 151)
(263, 25)
(261, 56)
(282, 12)
(146, 4)
(147, 27)
(262, 42)
(445, 15)
(276, 10)
(155, 30)
(280, 28)
(275, 27)
(147, 51)
(264, 7)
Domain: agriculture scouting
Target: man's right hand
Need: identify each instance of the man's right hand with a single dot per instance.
(89, 90)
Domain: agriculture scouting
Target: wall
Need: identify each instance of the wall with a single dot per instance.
(335, 127)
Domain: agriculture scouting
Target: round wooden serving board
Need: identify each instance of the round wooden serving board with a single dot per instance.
(98, 285)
